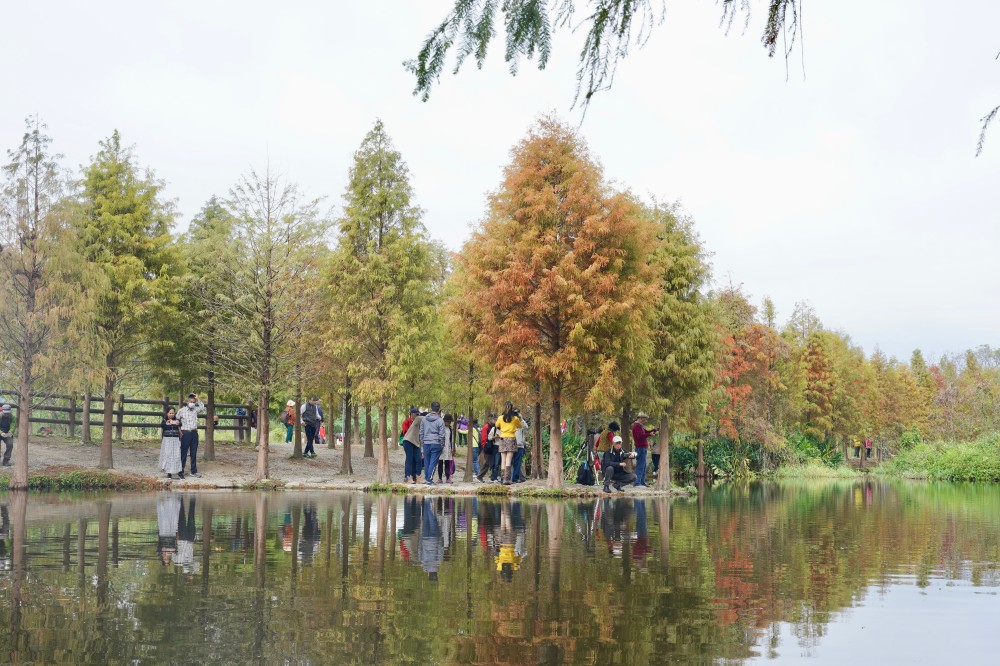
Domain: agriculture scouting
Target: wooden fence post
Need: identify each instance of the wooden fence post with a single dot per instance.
(119, 424)
(72, 417)
(86, 418)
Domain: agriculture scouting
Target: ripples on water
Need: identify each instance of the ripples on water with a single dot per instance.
(829, 573)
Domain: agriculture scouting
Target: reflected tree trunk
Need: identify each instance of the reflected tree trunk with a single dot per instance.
(367, 529)
(67, 540)
(19, 571)
(207, 512)
(114, 543)
(260, 571)
(103, 534)
(663, 520)
(381, 526)
(296, 526)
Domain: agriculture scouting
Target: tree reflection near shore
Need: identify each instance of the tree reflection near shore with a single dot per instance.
(330, 578)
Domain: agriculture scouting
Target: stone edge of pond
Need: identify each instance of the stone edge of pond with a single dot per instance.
(69, 478)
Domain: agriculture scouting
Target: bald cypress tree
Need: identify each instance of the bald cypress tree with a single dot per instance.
(384, 274)
(123, 232)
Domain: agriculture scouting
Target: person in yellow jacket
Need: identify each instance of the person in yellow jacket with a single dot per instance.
(507, 426)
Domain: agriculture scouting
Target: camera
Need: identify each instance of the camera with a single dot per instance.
(632, 455)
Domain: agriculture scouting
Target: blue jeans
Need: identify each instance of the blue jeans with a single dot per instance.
(432, 453)
(497, 458)
(517, 474)
(475, 460)
(640, 467)
(412, 465)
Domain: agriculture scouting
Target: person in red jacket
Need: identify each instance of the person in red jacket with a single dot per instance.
(640, 439)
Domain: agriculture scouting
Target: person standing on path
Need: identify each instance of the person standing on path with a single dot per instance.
(188, 416)
(640, 438)
(489, 449)
(447, 452)
(312, 417)
(507, 426)
(170, 445)
(517, 475)
(432, 440)
(411, 445)
(288, 418)
(6, 425)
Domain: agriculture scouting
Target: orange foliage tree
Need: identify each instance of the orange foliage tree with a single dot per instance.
(555, 284)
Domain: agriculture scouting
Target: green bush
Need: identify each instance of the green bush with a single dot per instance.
(978, 460)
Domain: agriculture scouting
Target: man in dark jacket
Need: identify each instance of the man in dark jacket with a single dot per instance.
(613, 466)
(489, 449)
(6, 426)
(432, 440)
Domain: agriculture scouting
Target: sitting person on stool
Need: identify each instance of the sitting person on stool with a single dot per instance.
(613, 466)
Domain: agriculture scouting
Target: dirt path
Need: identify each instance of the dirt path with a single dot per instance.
(235, 465)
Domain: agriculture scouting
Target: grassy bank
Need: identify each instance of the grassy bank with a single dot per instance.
(814, 469)
(978, 460)
(76, 478)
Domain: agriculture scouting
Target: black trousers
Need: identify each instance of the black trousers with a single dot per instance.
(616, 475)
(8, 447)
(189, 444)
(312, 435)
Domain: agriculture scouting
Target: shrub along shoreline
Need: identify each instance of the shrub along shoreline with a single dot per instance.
(978, 460)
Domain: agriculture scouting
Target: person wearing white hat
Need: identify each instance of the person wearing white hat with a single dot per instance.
(288, 419)
(6, 425)
(613, 466)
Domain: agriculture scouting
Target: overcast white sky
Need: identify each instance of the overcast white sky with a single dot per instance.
(855, 188)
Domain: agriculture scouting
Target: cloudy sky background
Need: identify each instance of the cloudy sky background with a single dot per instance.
(854, 187)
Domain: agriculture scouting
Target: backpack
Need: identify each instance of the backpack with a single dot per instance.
(283, 417)
(311, 415)
(585, 474)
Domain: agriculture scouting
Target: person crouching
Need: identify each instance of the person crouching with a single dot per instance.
(613, 466)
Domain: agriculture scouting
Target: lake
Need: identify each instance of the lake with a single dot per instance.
(821, 573)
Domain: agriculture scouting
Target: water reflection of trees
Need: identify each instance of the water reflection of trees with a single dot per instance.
(330, 578)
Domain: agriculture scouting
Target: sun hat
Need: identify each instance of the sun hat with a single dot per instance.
(642, 415)
(5, 409)
(290, 403)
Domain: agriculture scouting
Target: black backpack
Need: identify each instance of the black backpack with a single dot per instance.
(585, 474)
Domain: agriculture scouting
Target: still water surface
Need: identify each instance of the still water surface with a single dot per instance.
(829, 573)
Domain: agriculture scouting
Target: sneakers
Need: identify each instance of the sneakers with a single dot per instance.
(607, 489)
(619, 488)
(170, 476)
(196, 475)
(6, 463)
(180, 475)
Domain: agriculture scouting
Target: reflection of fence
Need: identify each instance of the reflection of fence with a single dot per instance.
(48, 410)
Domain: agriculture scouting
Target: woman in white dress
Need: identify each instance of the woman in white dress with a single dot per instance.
(170, 446)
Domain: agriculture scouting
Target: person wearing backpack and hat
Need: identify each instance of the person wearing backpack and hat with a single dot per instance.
(6, 425)
(312, 417)
(287, 417)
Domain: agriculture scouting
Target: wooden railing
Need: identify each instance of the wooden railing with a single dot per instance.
(73, 407)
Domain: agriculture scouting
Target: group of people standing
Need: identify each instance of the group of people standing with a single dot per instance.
(428, 445)
(179, 438)
(614, 462)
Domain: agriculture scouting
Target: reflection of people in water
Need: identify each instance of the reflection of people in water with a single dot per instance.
(286, 532)
(168, 506)
(431, 543)
(185, 537)
(614, 522)
(509, 541)
(641, 548)
(412, 507)
(309, 543)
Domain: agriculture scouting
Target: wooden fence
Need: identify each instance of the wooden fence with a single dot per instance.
(56, 405)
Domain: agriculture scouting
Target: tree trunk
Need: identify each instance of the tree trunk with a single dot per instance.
(395, 424)
(555, 478)
(86, 418)
(538, 463)
(209, 453)
(369, 451)
(663, 475)
(469, 446)
(106, 461)
(345, 464)
(627, 426)
(297, 438)
(356, 433)
(263, 436)
(700, 470)
(331, 422)
(19, 481)
(383, 474)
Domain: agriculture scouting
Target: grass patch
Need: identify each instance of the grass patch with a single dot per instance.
(978, 460)
(815, 469)
(266, 484)
(62, 478)
(493, 489)
(390, 488)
